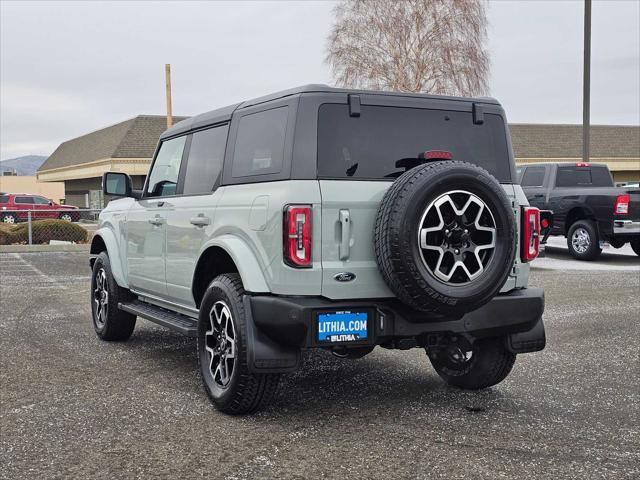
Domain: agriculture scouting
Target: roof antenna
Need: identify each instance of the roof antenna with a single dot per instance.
(167, 76)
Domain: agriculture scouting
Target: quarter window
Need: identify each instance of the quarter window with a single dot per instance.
(163, 179)
(259, 146)
(533, 177)
(206, 155)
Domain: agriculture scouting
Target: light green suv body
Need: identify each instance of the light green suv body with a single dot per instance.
(217, 199)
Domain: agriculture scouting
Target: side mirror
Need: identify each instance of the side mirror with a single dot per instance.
(118, 184)
(50, 203)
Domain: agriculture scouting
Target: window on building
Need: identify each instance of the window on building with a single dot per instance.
(163, 179)
(206, 155)
(533, 177)
(260, 143)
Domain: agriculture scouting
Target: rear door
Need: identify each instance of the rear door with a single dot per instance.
(356, 164)
(190, 215)
(23, 204)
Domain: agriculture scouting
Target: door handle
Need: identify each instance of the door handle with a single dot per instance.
(538, 195)
(200, 220)
(157, 220)
(345, 234)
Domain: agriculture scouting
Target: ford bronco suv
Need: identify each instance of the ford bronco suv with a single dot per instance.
(326, 218)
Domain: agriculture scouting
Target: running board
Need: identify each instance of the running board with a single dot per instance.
(174, 321)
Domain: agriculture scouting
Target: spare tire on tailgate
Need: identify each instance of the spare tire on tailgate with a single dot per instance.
(445, 237)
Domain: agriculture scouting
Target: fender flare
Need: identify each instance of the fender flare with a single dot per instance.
(109, 239)
(244, 258)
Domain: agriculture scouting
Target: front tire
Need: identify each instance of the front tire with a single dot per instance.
(484, 364)
(109, 322)
(583, 240)
(635, 245)
(222, 351)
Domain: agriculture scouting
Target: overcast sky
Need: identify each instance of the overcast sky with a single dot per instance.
(69, 68)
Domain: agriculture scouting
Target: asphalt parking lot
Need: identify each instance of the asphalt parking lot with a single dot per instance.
(75, 407)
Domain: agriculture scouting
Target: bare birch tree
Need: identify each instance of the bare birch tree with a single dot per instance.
(433, 46)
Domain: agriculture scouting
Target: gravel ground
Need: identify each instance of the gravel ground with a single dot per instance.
(75, 407)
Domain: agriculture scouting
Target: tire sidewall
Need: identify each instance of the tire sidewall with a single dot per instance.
(483, 288)
(220, 291)
(102, 262)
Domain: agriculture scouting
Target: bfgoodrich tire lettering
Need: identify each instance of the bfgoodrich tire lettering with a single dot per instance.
(236, 391)
(399, 252)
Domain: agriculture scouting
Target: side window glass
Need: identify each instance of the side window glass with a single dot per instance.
(259, 146)
(41, 201)
(206, 155)
(163, 178)
(533, 177)
(4, 198)
(28, 200)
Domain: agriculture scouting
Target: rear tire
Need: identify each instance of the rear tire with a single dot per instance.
(222, 351)
(109, 322)
(635, 245)
(583, 240)
(9, 218)
(489, 363)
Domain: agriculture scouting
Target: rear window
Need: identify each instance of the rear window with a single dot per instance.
(583, 177)
(4, 198)
(368, 147)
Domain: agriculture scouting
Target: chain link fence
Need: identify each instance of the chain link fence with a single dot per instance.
(50, 226)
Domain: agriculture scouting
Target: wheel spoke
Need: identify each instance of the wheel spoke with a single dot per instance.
(459, 248)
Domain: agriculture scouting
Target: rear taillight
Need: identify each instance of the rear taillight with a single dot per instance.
(297, 236)
(621, 206)
(530, 246)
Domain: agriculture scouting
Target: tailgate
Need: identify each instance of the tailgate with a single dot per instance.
(349, 268)
(349, 211)
(634, 203)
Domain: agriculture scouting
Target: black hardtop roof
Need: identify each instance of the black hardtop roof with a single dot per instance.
(224, 114)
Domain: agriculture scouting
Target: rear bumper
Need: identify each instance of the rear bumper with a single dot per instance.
(517, 316)
(626, 227)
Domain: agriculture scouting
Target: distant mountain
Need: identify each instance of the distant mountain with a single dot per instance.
(26, 165)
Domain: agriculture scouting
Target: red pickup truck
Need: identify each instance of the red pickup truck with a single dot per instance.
(14, 207)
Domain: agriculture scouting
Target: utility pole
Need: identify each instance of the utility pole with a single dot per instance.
(586, 82)
(167, 75)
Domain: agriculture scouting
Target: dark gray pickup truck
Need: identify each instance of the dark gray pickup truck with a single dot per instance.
(587, 208)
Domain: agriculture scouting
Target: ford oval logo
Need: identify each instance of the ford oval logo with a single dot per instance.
(344, 277)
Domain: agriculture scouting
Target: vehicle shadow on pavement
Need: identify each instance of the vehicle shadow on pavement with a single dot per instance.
(324, 385)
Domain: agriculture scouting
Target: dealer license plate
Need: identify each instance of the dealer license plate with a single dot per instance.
(342, 327)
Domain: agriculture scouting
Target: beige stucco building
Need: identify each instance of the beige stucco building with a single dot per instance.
(25, 184)
(616, 145)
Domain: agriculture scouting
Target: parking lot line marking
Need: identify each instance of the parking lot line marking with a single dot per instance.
(41, 273)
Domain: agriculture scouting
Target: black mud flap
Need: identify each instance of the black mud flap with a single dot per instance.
(263, 354)
(532, 340)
